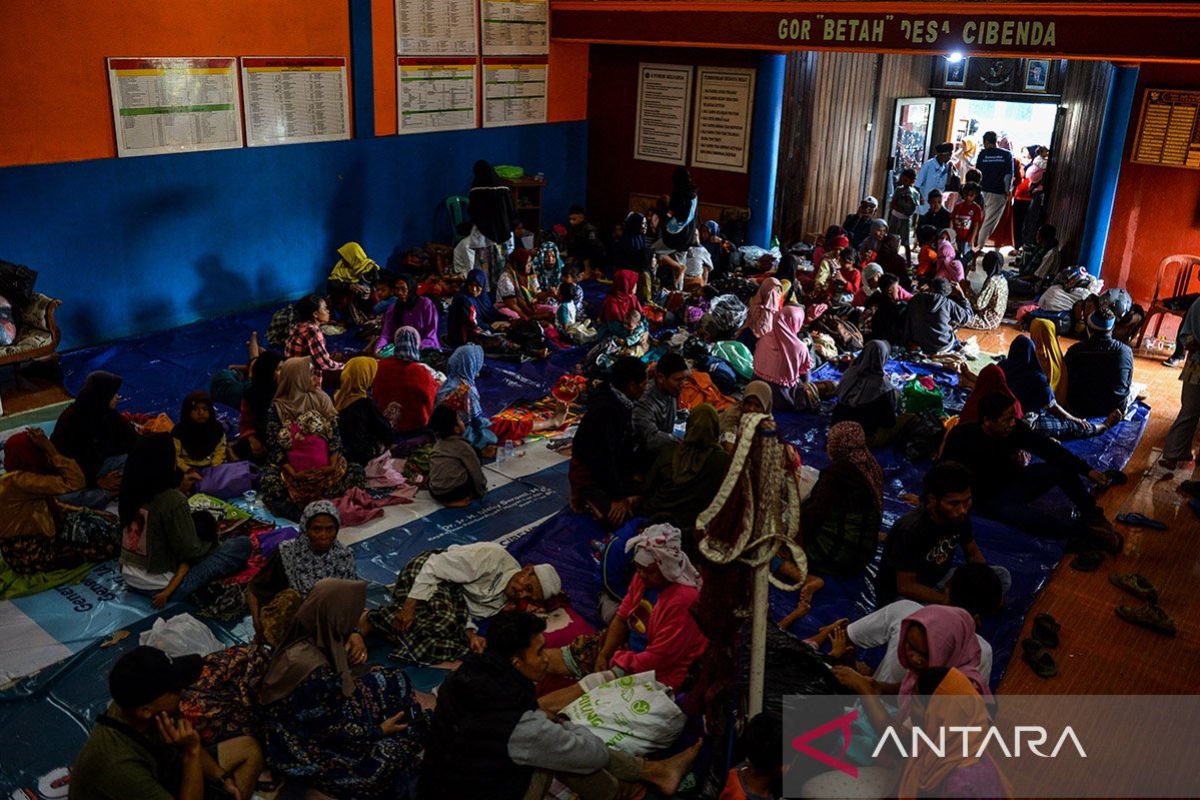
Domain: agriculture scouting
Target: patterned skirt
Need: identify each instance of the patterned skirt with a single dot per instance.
(439, 630)
(84, 536)
(223, 703)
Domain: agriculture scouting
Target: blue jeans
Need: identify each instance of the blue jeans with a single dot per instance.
(228, 559)
(1012, 504)
(94, 497)
(1001, 573)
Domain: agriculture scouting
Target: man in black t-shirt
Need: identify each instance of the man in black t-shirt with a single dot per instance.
(997, 166)
(919, 553)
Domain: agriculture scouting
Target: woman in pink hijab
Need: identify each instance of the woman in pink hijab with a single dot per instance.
(782, 360)
(764, 307)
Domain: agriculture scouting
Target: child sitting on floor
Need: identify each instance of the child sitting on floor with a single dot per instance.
(199, 437)
(383, 292)
(569, 319)
(455, 472)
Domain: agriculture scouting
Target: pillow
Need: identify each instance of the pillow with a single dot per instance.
(8, 327)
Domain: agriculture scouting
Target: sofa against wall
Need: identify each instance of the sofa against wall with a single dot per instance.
(143, 244)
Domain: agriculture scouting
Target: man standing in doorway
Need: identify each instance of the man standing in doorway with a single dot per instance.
(935, 174)
(997, 166)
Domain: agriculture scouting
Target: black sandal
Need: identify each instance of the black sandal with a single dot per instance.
(1039, 659)
(1046, 629)
(1150, 617)
(1088, 561)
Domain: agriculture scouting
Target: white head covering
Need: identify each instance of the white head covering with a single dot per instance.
(548, 577)
(663, 545)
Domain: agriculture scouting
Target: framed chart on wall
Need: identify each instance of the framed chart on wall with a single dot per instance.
(514, 91)
(174, 105)
(292, 100)
(1168, 131)
(435, 94)
(724, 108)
(664, 97)
(515, 27)
(436, 27)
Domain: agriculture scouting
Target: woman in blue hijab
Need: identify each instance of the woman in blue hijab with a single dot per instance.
(459, 392)
(472, 312)
(1028, 383)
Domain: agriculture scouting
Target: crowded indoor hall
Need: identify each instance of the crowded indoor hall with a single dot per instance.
(522, 399)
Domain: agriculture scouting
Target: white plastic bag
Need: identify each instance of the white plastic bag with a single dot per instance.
(636, 714)
(181, 636)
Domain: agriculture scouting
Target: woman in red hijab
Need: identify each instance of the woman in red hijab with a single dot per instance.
(990, 381)
(621, 299)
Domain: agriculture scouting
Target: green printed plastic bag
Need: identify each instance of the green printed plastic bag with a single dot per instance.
(634, 713)
(918, 398)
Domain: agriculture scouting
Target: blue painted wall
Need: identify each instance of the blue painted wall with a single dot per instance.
(141, 244)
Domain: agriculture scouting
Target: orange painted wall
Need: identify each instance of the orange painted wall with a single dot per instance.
(567, 93)
(55, 104)
(1157, 209)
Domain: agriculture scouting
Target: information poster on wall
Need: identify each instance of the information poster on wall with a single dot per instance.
(724, 104)
(515, 27)
(293, 100)
(174, 105)
(514, 93)
(1169, 130)
(435, 95)
(436, 28)
(664, 93)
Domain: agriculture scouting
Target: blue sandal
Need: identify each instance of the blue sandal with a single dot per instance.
(1140, 521)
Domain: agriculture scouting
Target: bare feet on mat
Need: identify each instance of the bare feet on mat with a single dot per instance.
(668, 774)
(811, 586)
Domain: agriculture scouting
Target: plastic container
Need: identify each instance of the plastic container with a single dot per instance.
(509, 449)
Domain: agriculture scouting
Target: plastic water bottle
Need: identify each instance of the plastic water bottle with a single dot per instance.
(509, 449)
(500, 454)
(250, 498)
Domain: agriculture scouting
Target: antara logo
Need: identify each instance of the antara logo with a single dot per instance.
(841, 724)
(1031, 736)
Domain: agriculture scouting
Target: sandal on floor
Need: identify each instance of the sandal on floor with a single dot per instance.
(1107, 537)
(1150, 617)
(1046, 629)
(1116, 477)
(1039, 659)
(1088, 561)
(1136, 584)
(1141, 521)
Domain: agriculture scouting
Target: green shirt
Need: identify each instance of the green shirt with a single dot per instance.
(112, 766)
(163, 536)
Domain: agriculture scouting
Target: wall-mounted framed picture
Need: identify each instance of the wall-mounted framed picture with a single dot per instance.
(1037, 74)
(956, 73)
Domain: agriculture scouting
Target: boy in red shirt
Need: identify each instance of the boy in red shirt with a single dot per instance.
(760, 776)
(967, 217)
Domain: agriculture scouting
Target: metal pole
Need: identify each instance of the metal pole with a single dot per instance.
(758, 637)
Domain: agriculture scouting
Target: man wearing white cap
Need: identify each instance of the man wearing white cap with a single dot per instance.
(441, 595)
(858, 226)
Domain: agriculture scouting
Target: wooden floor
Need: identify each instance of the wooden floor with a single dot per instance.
(1100, 653)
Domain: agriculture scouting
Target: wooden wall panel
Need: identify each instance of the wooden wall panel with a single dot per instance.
(835, 133)
(1069, 179)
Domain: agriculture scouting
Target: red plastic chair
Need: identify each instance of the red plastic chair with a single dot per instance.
(1177, 273)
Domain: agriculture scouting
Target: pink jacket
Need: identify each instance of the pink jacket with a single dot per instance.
(673, 639)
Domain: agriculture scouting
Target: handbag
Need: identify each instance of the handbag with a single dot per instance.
(16, 283)
(228, 481)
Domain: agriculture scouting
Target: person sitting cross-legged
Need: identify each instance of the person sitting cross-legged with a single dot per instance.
(490, 739)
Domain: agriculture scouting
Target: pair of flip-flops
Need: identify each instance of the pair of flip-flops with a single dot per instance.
(1046, 630)
(1088, 561)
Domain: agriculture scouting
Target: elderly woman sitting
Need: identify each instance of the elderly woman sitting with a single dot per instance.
(654, 628)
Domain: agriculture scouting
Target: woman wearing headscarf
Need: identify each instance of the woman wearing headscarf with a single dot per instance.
(619, 301)
(869, 248)
(163, 551)
(490, 204)
(829, 268)
(459, 393)
(632, 248)
(871, 273)
(680, 228)
(967, 771)
(991, 380)
(686, 475)
(365, 431)
(933, 637)
(842, 517)
(755, 400)
(472, 314)
(94, 433)
(1041, 410)
(31, 521)
(783, 361)
(251, 443)
(653, 628)
(410, 309)
(764, 308)
(1050, 356)
(948, 265)
(345, 730)
(990, 303)
(785, 273)
(297, 565)
(350, 283)
(404, 388)
(866, 395)
(305, 461)
(199, 436)
(518, 292)
(829, 242)
(547, 266)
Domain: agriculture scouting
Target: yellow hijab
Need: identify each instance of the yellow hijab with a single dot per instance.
(1050, 356)
(352, 265)
(357, 378)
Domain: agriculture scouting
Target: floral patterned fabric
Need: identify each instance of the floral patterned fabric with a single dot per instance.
(223, 703)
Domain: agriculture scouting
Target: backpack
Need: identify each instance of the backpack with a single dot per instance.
(845, 334)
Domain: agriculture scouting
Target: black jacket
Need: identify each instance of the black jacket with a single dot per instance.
(995, 463)
(604, 443)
